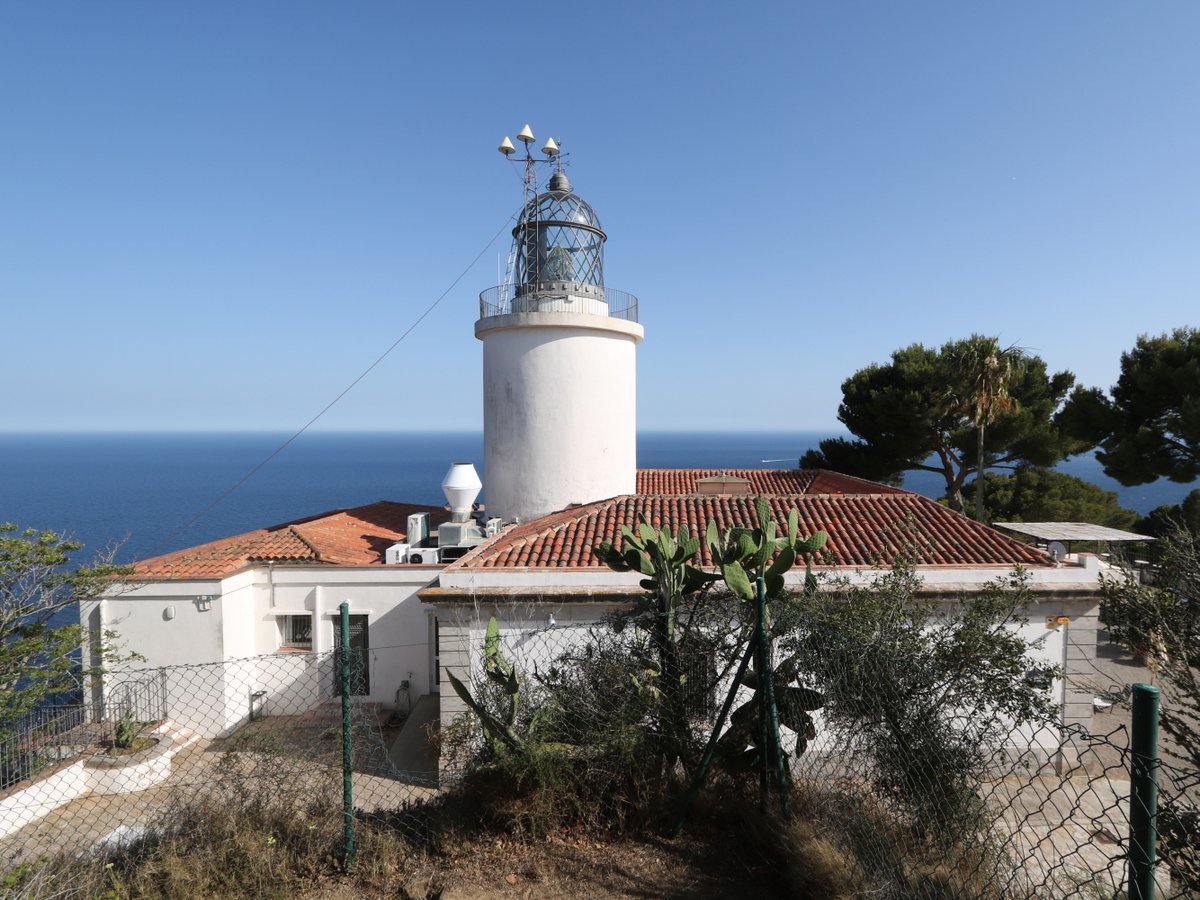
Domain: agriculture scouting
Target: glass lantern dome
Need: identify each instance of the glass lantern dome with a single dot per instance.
(559, 245)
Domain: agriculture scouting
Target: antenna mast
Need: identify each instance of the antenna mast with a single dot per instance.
(529, 208)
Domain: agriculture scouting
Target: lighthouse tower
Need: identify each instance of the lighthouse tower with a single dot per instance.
(559, 367)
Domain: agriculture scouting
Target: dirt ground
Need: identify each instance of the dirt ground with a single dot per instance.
(570, 869)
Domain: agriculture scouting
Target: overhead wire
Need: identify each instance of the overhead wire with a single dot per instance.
(328, 406)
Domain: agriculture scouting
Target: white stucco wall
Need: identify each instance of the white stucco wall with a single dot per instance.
(1067, 591)
(19, 807)
(559, 411)
(398, 625)
(217, 654)
(166, 623)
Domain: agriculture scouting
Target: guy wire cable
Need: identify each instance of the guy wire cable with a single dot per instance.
(367, 371)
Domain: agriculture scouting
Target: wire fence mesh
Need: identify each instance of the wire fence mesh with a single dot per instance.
(972, 802)
(244, 732)
(911, 783)
(45, 737)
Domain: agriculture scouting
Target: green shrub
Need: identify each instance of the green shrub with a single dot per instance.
(927, 693)
(126, 732)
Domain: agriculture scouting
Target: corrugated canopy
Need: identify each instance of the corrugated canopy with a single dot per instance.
(1071, 531)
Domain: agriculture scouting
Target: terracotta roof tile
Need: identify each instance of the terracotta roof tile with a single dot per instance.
(344, 537)
(867, 524)
(762, 481)
(864, 530)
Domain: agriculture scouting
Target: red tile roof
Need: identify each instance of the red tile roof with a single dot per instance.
(868, 523)
(863, 530)
(762, 481)
(344, 537)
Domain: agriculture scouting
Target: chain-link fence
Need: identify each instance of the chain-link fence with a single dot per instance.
(916, 776)
(924, 794)
(41, 739)
(157, 751)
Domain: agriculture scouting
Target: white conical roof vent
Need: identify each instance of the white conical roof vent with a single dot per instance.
(461, 486)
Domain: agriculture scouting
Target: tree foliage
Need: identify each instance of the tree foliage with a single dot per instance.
(1165, 519)
(1162, 620)
(897, 672)
(984, 371)
(37, 584)
(1033, 494)
(910, 415)
(1148, 425)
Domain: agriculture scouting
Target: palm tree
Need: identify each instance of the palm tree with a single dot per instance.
(984, 370)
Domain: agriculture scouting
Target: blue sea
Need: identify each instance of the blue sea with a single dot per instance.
(146, 492)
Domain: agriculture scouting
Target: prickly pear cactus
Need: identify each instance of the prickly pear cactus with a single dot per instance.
(745, 553)
(738, 749)
(666, 559)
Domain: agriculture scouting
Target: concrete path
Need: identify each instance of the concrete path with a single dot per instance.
(413, 755)
(90, 819)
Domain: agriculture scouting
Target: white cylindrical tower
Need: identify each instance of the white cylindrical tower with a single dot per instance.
(559, 366)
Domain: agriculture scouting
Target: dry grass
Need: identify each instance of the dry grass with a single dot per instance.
(261, 834)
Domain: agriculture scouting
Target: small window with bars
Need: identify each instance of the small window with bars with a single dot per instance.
(698, 666)
(295, 632)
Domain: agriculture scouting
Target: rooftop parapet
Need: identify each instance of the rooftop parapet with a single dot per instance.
(565, 297)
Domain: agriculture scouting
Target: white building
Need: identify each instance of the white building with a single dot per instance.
(560, 468)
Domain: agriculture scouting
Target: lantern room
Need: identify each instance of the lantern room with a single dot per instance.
(558, 245)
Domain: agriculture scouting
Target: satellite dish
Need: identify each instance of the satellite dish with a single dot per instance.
(506, 146)
(525, 135)
(1057, 550)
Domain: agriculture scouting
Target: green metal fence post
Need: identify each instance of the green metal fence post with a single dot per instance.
(763, 672)
(1143, 794)
(710, 747)
(347, 755)
(782, 775)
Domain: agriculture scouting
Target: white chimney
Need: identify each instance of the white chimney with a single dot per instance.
(461, 486)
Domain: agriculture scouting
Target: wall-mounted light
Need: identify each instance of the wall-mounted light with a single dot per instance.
(169, 613)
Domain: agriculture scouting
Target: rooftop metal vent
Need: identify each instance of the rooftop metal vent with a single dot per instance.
(725, 485)
(461, 486)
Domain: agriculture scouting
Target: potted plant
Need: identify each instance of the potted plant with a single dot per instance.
(128, 738)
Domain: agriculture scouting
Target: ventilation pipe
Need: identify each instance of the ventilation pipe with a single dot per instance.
(461, 486)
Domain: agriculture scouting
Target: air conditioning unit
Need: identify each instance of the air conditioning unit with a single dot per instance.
(450, 554)
(427, 556)
(418, 528)
(395, 554)
(492, 528)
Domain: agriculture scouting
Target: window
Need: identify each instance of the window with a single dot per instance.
(295, 632)
(360, 670)
(699, 669)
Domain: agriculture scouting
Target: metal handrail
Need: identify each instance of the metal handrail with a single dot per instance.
(506, 299)
(45, 737)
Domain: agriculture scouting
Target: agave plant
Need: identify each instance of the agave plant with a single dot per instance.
(739, 748)
(500, 728)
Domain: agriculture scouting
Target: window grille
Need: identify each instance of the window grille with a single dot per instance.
(295, 632)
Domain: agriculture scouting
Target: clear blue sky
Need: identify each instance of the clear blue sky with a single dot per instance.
(214, 215)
